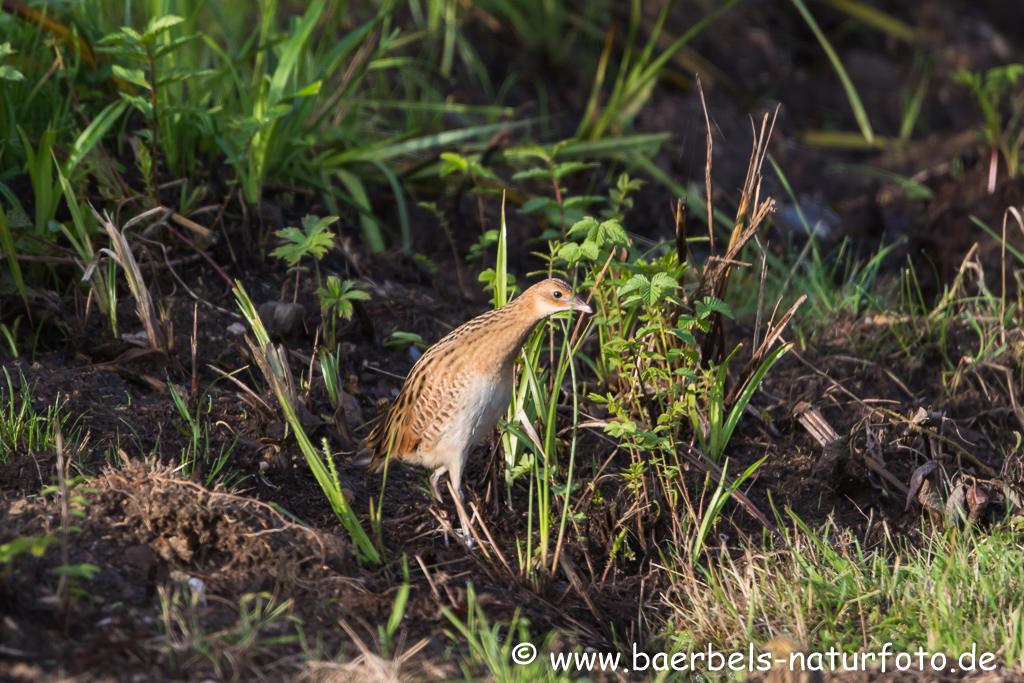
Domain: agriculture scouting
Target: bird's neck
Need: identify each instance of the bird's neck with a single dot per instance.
(506, 330)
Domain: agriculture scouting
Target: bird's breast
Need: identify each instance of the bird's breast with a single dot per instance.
(487, 401)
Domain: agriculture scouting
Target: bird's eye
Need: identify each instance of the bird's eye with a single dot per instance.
(556, 294)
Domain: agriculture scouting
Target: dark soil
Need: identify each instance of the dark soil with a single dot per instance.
(148, 528)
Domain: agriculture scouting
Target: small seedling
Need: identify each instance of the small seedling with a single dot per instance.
(313, 240)
(336, 299)
(991, 89)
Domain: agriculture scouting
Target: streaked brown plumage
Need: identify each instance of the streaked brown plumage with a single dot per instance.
(458, 389)
(782, 650)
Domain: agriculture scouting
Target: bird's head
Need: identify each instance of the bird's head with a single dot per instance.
(554, 296)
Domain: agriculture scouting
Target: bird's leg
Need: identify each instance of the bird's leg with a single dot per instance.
(460, 501)
(436, 477)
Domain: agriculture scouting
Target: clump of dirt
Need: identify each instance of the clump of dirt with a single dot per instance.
(143, 528)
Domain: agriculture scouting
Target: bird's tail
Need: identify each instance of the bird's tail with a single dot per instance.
(369, 458)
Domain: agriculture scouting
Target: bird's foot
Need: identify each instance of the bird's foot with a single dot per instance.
(466, 537)
(445, 529)
(463, 534)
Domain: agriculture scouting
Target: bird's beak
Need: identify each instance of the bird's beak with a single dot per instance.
(579, 305)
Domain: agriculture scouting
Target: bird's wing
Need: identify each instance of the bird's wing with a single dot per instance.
(425, 403)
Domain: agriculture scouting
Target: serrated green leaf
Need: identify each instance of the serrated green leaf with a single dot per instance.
(648, 290)
(590, 250)
(712, 305)
(609, 232)
(313, 240)
(532, 173)
(568, 167)
(134, 76)
(529, 151)
(127, 35)
(583, 226)
(570, 252)
(664, 281)
(612, 232)
(159, 25)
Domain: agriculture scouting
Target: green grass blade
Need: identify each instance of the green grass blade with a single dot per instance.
(913, 111)
(997, 237)
(641, 144)
(334, 496)
(387, 151)
(656, 66)
(403, 209)
(357, 191)
(859, 112)
(7, 244)
(748, 390)
(875, 17)
(93, 133)
(293, 50)
(914, 190)
(842, 139)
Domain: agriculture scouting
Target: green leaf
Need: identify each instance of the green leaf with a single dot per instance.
(96, 129)
(338, 295)
(22, 545)
(532, 173)
(178, 75)
(361, 200)
(82, 571)
(390, 149)
(8, 73)
(293, 51)
(159, 25)
(619, 429)
(535, 151)
(580, 201)
(313, 240)
(126, 36)
(649, 290)
(711, 305)
(568, 167)
(574, 253)
(570, 252)
(174, 45)
(537, 203)
(665, 281)
(612, 232)
(403, 340)
(583, 226)
(601, 234)
(310, 90)
(133, 76)
(859, 113)
(453, 163)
